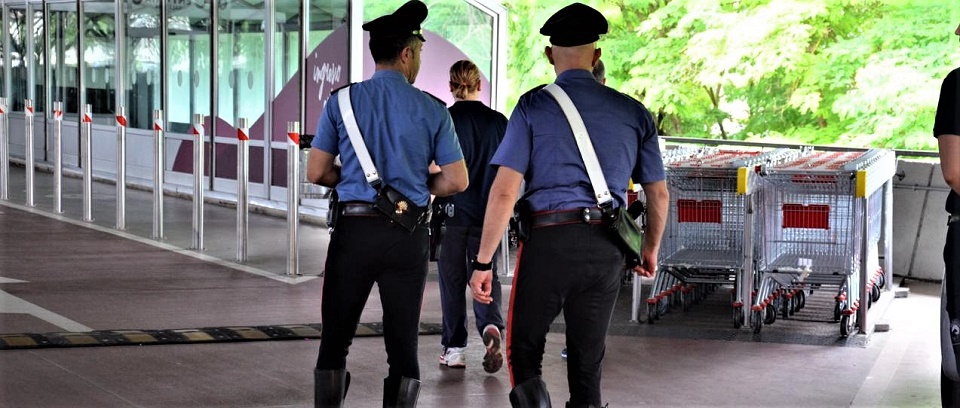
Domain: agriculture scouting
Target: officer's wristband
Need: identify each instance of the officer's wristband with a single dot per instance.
(477, 266)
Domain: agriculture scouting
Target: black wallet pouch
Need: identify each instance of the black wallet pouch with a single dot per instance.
(334, 209)
(398, 208)
(524, 219)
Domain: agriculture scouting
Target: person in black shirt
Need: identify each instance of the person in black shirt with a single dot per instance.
(480, 130)
(947, 131)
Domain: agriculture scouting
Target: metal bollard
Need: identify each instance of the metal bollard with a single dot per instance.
(86, 154)
(293, 197)
(58, 157)
(243, 178)
(121, 168)
(198, 151)
(159, 164)
(636, 299)
(28, 149)
(4, 155)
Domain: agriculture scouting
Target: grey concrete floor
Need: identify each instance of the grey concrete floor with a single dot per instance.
(88, 274)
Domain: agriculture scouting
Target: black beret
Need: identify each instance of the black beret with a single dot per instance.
(402, 23)
(576, 24)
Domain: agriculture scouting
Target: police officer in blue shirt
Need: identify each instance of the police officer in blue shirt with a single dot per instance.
(570, 261)
(405, 130)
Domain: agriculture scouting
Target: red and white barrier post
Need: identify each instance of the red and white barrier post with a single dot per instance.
(293, 197)
(121, 168)
(243, 179)
(58, 157)
(159, 164)
(4, 153)
(28, 148)
(86, 157)
(198, 151)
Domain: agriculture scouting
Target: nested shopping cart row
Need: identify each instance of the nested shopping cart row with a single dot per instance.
(773, 226)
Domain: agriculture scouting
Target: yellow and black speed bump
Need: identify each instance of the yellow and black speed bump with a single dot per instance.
(183, 336)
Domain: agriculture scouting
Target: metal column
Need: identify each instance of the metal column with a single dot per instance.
(198, 151)
(58, 157)
(121, 168)
(159, 164)
(293, 197)
(4, 153)
(887, 234)
(86, 157)
(28, 149)
(243, 179)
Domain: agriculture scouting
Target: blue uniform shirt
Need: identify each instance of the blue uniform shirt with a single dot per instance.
(404, 130)
(540, 144)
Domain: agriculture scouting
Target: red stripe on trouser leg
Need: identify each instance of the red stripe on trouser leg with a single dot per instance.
(513, 292)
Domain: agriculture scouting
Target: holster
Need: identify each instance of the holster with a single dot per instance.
(626, 233)
(334, 209)
(438, 228)
(398, 208)
(523, 217)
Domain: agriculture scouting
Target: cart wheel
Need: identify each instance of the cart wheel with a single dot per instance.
(771, 314)
(756, 321)
(786, 307)
(651, 313)
(738, 317)
(847, 325)
(882, 280)
(686, 299)
(801, 300)
(875, 293)
(663, 307)
(837, 310)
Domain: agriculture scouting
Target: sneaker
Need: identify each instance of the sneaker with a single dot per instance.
(453, 357)
(493, 359)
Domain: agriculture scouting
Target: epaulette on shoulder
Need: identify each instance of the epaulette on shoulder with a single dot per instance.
(534, 89)
(335, 90)
(635, 100)
(440, 101)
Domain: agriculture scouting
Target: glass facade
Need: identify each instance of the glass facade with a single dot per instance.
(63, 71)
(269, 61)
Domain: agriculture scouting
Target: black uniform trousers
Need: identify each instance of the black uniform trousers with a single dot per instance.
(574, 268)
(365, 250)
(459, 247)
(949, 389)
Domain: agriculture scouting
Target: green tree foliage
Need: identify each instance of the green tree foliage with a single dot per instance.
(843, 72)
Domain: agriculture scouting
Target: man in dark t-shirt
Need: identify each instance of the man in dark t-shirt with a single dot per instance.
(480, 130)
(947, 131)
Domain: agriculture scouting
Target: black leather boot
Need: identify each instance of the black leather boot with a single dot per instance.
(330, 387)
(400, 393)
(530, 393)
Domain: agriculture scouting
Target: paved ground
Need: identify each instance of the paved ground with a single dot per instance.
(60, 274)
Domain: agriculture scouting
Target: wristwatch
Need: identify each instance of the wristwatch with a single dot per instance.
(477, 266)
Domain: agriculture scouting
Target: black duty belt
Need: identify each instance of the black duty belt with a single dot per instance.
(589, 215)
(953, 218)
(359, 210)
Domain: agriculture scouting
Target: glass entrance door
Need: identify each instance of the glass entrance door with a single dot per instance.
(241, 63)
(188, 84)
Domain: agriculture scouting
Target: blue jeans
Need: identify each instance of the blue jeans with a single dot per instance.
(459, 246)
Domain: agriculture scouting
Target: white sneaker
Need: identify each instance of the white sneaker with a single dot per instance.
(453, 357)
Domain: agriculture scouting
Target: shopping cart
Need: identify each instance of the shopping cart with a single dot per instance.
(308, 190)
(668, 155)
(822, 223)
(708, 240)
